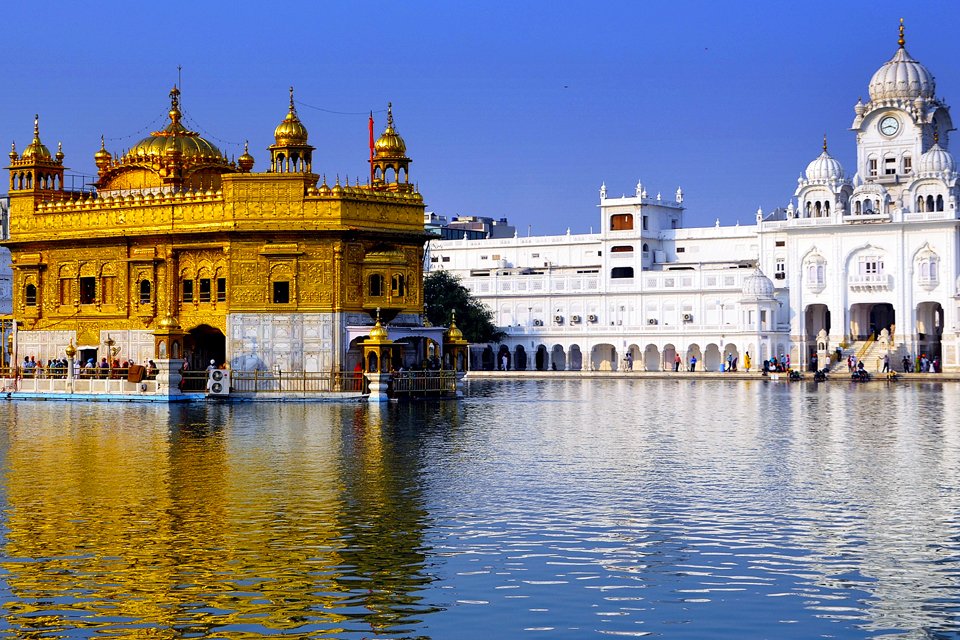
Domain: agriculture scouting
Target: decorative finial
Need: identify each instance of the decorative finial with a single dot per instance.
(378, 315)
(901, 41)
(292, 108)
(390, 115)
(36, 127)
(824, 143)
(175, 105)
(936, 137)
(103, 144)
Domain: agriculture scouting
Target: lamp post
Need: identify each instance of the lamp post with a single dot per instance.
(71, 353)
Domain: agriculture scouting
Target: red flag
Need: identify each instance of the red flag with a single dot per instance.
(371, 147)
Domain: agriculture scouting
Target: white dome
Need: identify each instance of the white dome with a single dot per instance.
(824, 167)
(902, 77)
(757, 285)
(937, 160)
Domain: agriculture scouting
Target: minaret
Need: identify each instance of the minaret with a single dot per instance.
(391, 166)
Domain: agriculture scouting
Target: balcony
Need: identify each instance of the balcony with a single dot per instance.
(869, 282)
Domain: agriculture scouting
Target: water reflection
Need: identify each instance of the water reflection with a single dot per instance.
(202, 519)
(558, 509)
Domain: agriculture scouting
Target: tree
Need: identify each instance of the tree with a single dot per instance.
(443, 294)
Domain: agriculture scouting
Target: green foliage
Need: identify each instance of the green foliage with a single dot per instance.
(443, 294)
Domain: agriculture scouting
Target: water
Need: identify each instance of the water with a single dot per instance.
(539, 509)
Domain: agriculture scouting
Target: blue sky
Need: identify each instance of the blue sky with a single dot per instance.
(509, 109)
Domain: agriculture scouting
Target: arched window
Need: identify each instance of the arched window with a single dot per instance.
(375, 285)
(621, 222)
(145, 292)
(621, 272)
(867, 207)
(920, 204)
(939, 203)
(397, 286)
(646, 249)
(816, 209)
(930, 204)
(856, 208)
(809, 209)
(30, 295)
(826, 209)
(623, 248)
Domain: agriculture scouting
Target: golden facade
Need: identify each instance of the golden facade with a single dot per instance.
(263, 262)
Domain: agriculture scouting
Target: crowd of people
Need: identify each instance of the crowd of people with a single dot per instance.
(57, 368)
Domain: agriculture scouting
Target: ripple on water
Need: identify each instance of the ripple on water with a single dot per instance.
(564, 509)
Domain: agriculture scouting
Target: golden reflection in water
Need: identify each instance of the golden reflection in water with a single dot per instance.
(178, 519)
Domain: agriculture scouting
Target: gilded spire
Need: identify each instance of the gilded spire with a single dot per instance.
(824, 143)
(293, 109)
(936, 137)
(36, 128)
(390, 115)
(175, 105)
(901, 41)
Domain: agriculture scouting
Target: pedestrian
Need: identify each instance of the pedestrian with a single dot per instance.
(746, 361)
(676, 362)
(886, 363)
(693, 363)
(629, 359)
(906, 364)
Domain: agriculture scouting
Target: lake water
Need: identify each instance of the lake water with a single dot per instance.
(537, 509)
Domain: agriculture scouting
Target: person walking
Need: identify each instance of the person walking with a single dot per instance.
(693, 363)
(676, 362)
(886, 363)
(746, 361)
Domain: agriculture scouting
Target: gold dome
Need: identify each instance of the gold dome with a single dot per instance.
(13, 152)
(36, 149)
(102, 157)
(175, 140)
(291, 131)
(168, 323)
(245, 162)
(453, 333)
(390, 144)
(378, 333)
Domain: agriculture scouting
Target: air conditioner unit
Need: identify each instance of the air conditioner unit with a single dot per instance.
(218, 382)
(780, 275)
(538, 323)
(688, 317)
(652, 321)
(558, 319)
(592, 318)
(574, 319)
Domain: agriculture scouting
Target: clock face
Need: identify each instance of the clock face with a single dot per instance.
(889, 126)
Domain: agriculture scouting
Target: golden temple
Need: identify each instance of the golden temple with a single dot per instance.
(258, 269)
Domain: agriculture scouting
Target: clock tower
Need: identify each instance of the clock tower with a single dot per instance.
(902, 121)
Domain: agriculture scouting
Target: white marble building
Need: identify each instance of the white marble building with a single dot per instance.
(865, 260)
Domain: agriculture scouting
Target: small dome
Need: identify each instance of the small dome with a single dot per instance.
(245, 161)
(36, 150)
(757, 285)
(453, 333)
(378, 333)
(102, 157)
(902, 77)
(290, 131)
(825, 167)
(937, 160)
(390, 144)
(168, 323)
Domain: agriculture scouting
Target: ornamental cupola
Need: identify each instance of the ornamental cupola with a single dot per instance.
(937, 160)
(245, 161)
(35, 170)
(290, 152)
(824, 166)
(902, 77)
(391, 166)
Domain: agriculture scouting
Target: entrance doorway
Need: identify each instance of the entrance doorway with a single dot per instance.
(202, 344)
(869, 319)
